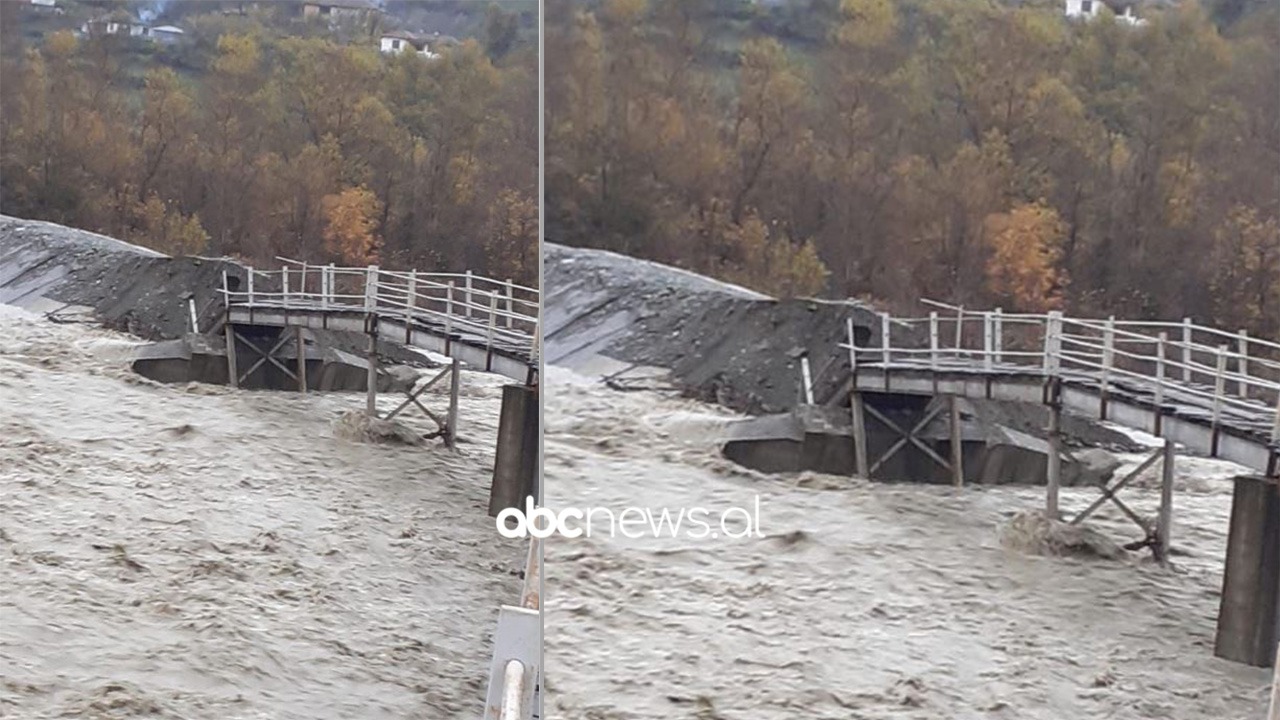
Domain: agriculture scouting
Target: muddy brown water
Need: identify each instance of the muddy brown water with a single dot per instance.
(195, 552)
(863, 601)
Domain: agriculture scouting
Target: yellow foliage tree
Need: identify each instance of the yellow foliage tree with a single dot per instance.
(161, 226)
(351, 222)
(1025, 245)
(1246, 270)
(512, 243)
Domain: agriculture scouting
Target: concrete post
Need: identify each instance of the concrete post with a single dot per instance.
(515, 463)
(1250, 609)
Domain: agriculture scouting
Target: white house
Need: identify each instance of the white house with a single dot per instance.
(166, 34)
(397, 41)
(50, 6)
(115, 25)
(1090, 9)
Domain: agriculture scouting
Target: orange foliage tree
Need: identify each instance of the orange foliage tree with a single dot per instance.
(351, 221)
(1026, 245)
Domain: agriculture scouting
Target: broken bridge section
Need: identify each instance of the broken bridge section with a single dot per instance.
(1214, 392)
(483, 323)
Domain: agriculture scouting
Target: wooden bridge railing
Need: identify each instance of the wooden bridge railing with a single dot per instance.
(1182, 361)
(492, 312)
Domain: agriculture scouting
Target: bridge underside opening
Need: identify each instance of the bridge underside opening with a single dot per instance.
(818, 439)
(197, 358)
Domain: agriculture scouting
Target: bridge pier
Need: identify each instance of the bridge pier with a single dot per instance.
(515, 463)
(1249, 616)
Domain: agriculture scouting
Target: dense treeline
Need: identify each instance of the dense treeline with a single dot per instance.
(945, 148)
(299, 146)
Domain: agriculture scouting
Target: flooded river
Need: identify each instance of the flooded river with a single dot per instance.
(196, 552)
(863, 600)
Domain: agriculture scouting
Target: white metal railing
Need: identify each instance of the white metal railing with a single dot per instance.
(1224, 373)
(514, 677)
(487, 312)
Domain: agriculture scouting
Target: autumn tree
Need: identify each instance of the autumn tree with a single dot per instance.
(1025, 248)
(350, 226)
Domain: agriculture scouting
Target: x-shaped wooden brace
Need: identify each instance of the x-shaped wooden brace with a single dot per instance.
(412, 399)
(907, 437)
(267, 356)
(1109, 492)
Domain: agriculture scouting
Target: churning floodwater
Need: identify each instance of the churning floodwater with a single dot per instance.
(863, 600)
(198, 552)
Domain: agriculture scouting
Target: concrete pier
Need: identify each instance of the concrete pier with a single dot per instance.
(515, 464)
(1249, 617)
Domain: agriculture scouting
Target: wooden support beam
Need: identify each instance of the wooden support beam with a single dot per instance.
(1054, 462)
(233, 377)
(1109, 492)
(371, 391)
(451, 424)
(957, 443)
(302, 360)
(859, 429)
(413, 396)
(267, 356)
(1164, 522)
(907, 437)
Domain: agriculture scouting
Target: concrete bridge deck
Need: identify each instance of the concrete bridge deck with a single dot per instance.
(1218, 399)
(488, 324)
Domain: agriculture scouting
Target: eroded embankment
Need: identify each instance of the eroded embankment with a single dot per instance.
(604, 312)
(50, 268)
(44, 266)
(721, 342)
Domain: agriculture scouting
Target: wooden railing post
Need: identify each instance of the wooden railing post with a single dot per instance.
(493, 317)
(959, 327)
(467, 296)
(284, 284)
(510, 297)
(226, 291)
(1186, 350)
(249, 286)
(371, 288)
(1108, 352)
(1160, 369)
(326, 280)
(988, 340)
(1053, 343)
(933, 340)
(884, 338)
(999, 333)
(1242, 364)
(448, 308)
(1219, 384)
(412, 301)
